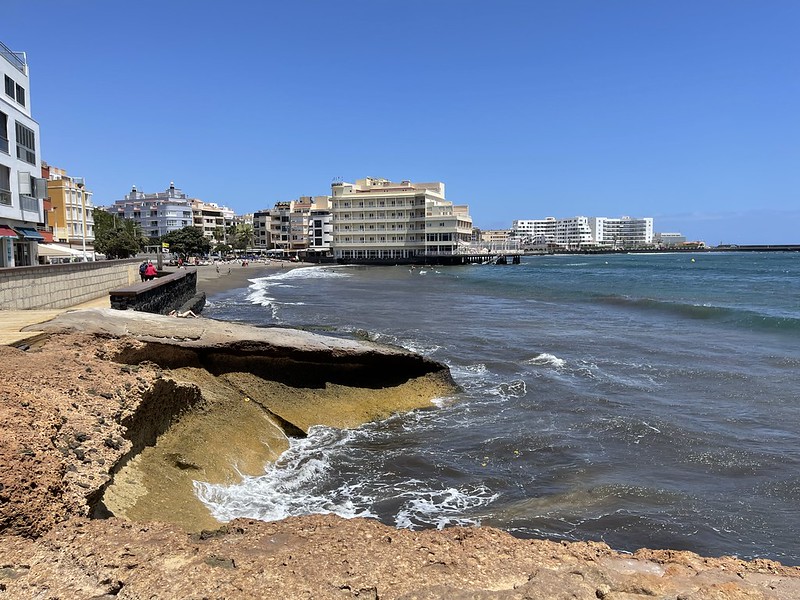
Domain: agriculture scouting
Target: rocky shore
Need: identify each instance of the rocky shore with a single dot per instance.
(108, 420)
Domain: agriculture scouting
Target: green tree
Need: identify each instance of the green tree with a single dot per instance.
(223, 249)
(188, 241)
(243, 236)
(117, 237)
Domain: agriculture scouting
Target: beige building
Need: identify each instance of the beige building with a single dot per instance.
(286, 226)
(71, 213)
(376, 219)
(212, 219)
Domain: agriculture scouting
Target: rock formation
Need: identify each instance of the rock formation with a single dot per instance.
(114, 414)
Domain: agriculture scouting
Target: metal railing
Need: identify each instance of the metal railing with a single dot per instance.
(15, 58)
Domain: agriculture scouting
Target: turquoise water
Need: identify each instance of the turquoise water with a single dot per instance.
(640, 400)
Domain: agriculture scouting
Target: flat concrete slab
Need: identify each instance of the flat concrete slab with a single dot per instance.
(13, 322)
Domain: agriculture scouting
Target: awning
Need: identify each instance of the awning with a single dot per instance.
(7, 232)
(29, 234)
(54, 251)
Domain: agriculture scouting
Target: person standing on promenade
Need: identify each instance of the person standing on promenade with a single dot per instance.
(142, 269)
(150, 271)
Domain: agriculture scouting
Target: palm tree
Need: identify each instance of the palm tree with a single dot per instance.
(243, 238)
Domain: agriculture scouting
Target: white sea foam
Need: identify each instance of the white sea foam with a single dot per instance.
(547, 360)
(440, 507)
(513, 389)
(289, 486)
(298, 483)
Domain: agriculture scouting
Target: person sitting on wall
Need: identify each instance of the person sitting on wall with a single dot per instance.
(150, 271)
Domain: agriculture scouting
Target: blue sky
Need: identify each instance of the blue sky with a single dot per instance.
(686, 111)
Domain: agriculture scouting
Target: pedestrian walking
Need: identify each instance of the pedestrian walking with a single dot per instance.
(150, 271)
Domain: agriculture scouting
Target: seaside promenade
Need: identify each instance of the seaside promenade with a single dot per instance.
(230, 276)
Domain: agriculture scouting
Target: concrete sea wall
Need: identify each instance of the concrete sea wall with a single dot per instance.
(62, 286)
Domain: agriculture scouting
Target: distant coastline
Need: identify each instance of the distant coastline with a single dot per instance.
(723, 248)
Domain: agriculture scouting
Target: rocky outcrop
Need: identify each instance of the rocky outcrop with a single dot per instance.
(118, 412)
(148, 404)
(325, 557)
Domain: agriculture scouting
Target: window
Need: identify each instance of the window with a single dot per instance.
(10, 86)
(5, 185)
(4, 132)
(26, 144)
(21, 95)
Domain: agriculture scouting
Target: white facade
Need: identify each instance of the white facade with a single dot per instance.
(580, 232)
(624, 232)
(21, 187)
(379, 219)
(573, 233)
(163, 212)
(535, 231)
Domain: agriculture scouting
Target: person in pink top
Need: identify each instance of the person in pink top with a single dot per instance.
(150, 271)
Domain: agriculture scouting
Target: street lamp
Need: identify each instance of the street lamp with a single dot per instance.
(83, 216)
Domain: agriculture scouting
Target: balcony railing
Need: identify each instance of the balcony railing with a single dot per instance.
(15, 58)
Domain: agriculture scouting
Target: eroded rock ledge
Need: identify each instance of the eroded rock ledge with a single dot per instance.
(139, 406)
(92, 399)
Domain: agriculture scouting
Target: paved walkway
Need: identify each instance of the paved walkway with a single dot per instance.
(13, 321)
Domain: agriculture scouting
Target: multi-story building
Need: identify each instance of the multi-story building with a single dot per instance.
(212, 219)
(262, 233)
(22, 190)
(624, 232)
(534, 231)
(157, 214)
(669, 239)
(163, 212)
(581, 232)
(573, 233)
(380, 219)
(70, 213)
(320, 229)
(286, 226)
(495, 236)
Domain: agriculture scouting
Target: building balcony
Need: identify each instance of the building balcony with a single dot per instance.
(17, 59)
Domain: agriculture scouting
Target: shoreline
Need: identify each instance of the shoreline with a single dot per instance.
(233, 275)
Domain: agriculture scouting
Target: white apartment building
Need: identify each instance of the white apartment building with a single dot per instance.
(580, 232)
(574, 233)
(320, 228)
(379, 219)
(535, 231)
(21, 187)
(163, 212)
(624, 232)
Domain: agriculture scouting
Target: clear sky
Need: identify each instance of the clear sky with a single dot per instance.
(684, 110)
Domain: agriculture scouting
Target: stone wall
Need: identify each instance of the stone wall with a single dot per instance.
(161, 295)
(63, 286)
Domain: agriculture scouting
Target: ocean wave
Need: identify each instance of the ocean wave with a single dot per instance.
(547, 360)
(290, 486)
(748, 318)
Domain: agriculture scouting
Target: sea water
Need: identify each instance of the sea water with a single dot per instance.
(640, 400)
